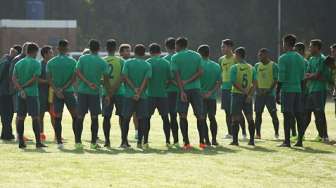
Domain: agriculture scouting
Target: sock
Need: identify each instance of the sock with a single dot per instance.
(307, 119)
(174, 127)
(20, 129)
(107, 128)
(37, 130)
(288, 120)
(321, 124)
(213, 128)
(206, 133)
(258, 122)
(141, 131)
(300, 125)
(74, 122)
(184, 130)
(79, 130)
(228, 123)
(94, 130)
(124, 129)
(58, 129)
(166, 127)
(293, 126)
(242, 124)
(251, 128)
(235, 131)
(201, 130)
(145, 122)
(275, 121)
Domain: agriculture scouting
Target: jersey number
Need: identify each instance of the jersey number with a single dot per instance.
(245, 81)
(111, 71)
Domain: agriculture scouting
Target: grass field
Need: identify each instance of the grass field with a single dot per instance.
(265, 165)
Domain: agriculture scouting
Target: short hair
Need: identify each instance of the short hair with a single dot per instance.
(111, 45)
(18, 48)
(94, 45)
(63, 43)
(182, 42)
(123, 47)
(333, 46)
(139, 50)
(45, 50)
(154, 48)
(32, 48)
(240, 51)
(228, 42)
(300, 46)
(317, 43)
(170, 43)
(204, 50)
(290, 40)
(264, 50)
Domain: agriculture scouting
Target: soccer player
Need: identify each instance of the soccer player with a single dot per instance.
(90, 69)
(318, 75)
(115, 95)
(125, 53)
(172, 91)
(291, 75)
(61, 76)
(6, 98)
(46, 53)
(267, 79)
(25, 79)
(242, 76)
(136, 73)
(226, 63)
(157, 85)
(210, 83)
(187, 68)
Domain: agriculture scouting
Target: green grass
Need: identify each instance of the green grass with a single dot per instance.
(263, 166)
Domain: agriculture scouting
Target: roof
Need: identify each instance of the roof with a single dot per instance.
(8, 23)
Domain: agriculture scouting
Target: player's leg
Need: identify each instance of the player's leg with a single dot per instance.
(287, 107)
(58, 109)
(6, 112)
(259, 105)
(237, 102)
(21, 116)
(163, 108)
(206, 128)
(127, 112)
(95, 110)
(136, 125)
(243, 126)
(271, 107)
(33, 111)
(83, 106)
(72, 106)
(226, 105)
(196, 101)
(107, 114)
(182, 109)
(211, 111)
(172, 98)
(248, 112)
(299, 116)
(143, 114)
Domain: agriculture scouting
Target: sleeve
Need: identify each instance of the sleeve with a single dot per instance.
(282, 70)
(275, 72)
(149, 71)
(233, 74)
(37, 70)
(105, 67)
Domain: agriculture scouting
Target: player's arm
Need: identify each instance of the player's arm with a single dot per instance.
(86, 81)
(195, 76)
(34, 78)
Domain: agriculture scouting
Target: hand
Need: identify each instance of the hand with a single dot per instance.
(93, 86)
(23, 94)
(136, 97)
(184, 97)
(107, 100)
(207, 95)
(136, 90)
(184, 82)
(309, 76)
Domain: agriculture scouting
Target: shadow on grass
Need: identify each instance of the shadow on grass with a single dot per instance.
(258, 149)
(30, 150)
(311, 150)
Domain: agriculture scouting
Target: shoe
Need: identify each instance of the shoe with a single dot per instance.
(285, 145)
(128, 145)
(203, 146)
(215, 143)
(22, 145)
(187, 147)
(40, 145)
(60, 146)
(43, 137)
(146, 146)
(276, 136)
(107, 145)
(234, 144)
(318, 139)
(79, 146)
(298, 144)
(244, 137)
(257, 136)
(228, 136)
(325, 140)
(123, 145)
(95, 146)
(139, 145)
(251, 143)
(208, 143)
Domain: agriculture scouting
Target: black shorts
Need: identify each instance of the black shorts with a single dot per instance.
(87, 102)
(291, 102)
(239, 104)
(69, 100)
(115, 101)
(195, 99)
(159, 103)
(264, 100)
(316, 101)
(44, 104)
(209, 107)
(30, 105)
(226, 100)
(130, 106)
(172, 101)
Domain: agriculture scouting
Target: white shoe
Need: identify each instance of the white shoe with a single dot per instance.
(227, 136)
(60, 146)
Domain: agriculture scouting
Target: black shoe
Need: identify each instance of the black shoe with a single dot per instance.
(107, 145)
(215, 143)
(123, 145)
(298, 144)
(234, 144)
(128, 145)
(208, 143)
(251, 143)
(139, 145)
(285, 145)
(40, 145)
(22, 145)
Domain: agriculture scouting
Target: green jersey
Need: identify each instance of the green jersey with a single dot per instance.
(243, 74)
(291, 71)
(316, 65)
(92, 68)
(211, 76)
(266, 75)
(136, 70)
(61, 69)
(25, 70)
(226, 63)
(115, 65)
(171, 87)
(187, 63)
(157, 85)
